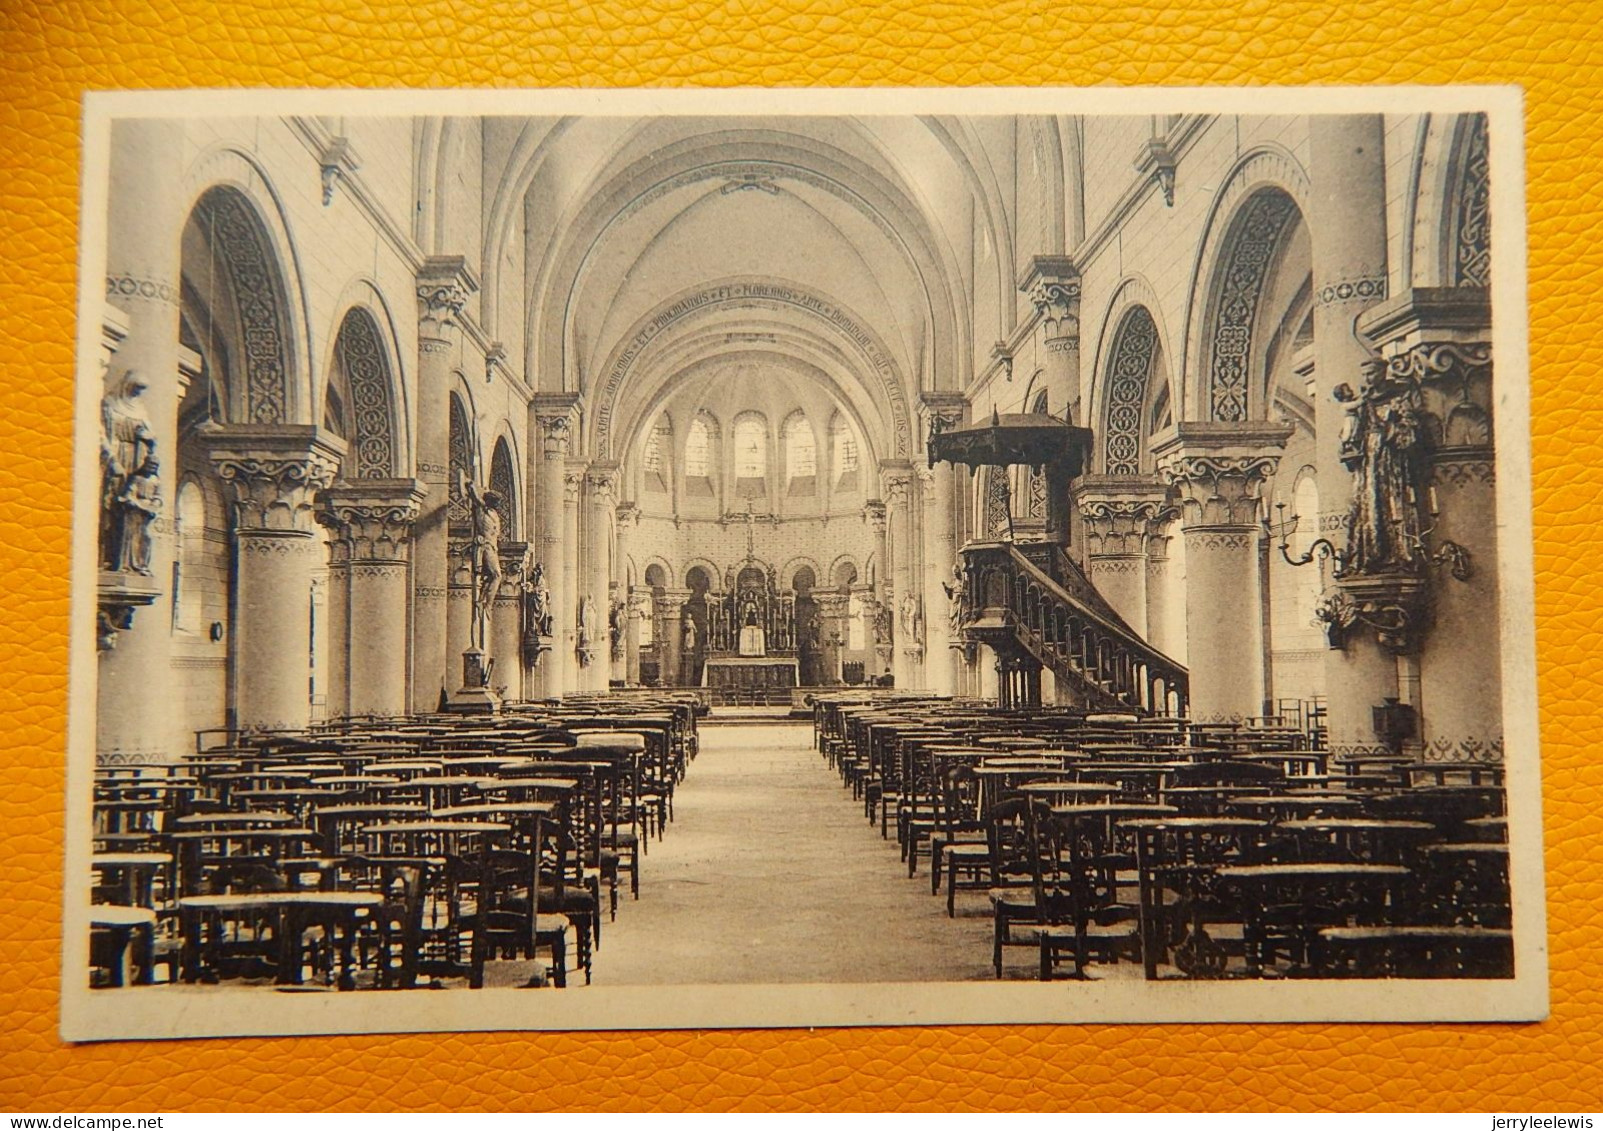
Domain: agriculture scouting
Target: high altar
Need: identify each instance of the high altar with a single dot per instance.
(754, 632)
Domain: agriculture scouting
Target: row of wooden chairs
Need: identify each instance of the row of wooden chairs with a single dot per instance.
(1145, 840)
(385, 849)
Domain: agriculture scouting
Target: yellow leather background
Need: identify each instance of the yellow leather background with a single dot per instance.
(51, 51)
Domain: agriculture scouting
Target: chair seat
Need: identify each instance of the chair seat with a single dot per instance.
(968, 850)
(1065, 932)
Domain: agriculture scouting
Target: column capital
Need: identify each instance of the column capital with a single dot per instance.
(444, 283)
(573, 474)
(1120, 513)
(673, 600)
(371, 519)
(1436, 339)
(874, 515)
(1218, 470)
(628, 515)
(274, 471)
(897, 478)
(1052, 283)
(515, 566)
(942, 410)
(601, 480)
(552, 416)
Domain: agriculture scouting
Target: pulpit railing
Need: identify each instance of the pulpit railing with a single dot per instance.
(1058, 618)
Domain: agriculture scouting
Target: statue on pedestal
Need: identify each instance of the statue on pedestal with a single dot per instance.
(130, 492)
(1382, 444)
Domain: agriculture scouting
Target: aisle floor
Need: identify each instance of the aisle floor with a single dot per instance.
(771, 873)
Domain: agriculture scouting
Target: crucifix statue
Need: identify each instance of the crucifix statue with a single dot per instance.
(484, 550)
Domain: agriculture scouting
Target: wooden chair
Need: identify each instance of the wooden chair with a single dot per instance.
(1069, 917)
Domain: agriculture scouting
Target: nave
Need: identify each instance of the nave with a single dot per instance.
(773, 875)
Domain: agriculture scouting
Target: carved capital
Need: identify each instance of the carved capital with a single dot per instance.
(371, 520)
(573, 481)
(943, 412)
(874, 515)
(444, 283)
(601, 481)
(552, 416)
(1053, 285)
(274, 472)
(1217, 471)
(515, 567)
(628, 516)
(896, 481)
(1119, 514)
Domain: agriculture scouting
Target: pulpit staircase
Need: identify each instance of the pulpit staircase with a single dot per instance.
(1035, 608)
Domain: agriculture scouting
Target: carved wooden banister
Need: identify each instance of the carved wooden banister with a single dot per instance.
(1049, 609)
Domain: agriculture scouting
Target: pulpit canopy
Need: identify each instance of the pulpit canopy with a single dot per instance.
(1009, 438)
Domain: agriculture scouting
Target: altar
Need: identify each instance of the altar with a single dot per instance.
(750, 673)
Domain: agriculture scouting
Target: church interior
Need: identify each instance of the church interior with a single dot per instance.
(549, 551)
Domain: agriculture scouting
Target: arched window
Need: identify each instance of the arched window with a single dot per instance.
(801, 456)
(843, 453)
(698, 458)
(188, 602)
(751, 457)
(658, 445)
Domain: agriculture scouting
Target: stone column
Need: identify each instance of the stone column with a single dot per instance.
(458, 602)
(1347, 230)
(941, 411)
(506, 621)
(882, 618)
(907, 662)
(601, 482)
(443, 286)
(572, 578)
(1437, 341)
(144, 232)
(834, 608)
(370, 524)
(273, 472)
(1160, 613)
(1218, 471)
(637, 603)
(669, 647)
(1118, 514)
(626, 520)
(551, 419)
(1053, 284)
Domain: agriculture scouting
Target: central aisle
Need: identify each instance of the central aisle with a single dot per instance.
(771, 873)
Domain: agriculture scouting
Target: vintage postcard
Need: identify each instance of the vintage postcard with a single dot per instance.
(557, 559)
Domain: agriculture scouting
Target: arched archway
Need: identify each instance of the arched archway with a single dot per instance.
(1131, 366)
(359, 403)
(1232, 332)
(242, 272)
(504, 482)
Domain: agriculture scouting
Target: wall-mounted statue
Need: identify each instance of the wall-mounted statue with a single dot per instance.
(484, 555)
(615, 627)
(954, 599)
(912, 619)
(1382, 444)
(585, 643)
(130, 491)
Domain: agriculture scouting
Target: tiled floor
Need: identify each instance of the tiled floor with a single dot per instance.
(770, 873)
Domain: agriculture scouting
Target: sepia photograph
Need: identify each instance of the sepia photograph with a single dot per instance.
(588, 560)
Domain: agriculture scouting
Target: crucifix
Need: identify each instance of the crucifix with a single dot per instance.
(751, 549)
